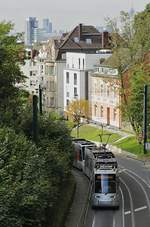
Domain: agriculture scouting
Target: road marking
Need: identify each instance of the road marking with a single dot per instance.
(131, 203)
(140, 208)
(114, 221)
(129, 173)
(127, 212)
(93, 224)
(143, 180)
(123, 219)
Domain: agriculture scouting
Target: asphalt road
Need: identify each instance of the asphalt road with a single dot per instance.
(134, 192)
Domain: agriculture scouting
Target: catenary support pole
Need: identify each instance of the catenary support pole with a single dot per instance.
(40, 100)
(35, 119)
(145, 119)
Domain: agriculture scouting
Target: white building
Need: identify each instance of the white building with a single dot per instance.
(76, 74)
(104, 96)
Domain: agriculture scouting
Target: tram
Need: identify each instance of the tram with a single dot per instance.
(79, 149)
(100, 166)
(105, 191)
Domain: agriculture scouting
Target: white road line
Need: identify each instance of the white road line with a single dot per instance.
(93, 224)
(114, 221)
(142, 187)
(124, 169)
(131, 203)
(140, 208)
(123, 219)
(127, 212)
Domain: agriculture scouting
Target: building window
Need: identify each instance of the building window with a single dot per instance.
(67, 94)
(67, 102)
(108, 90)
(52, 101)
(115, 114)
(115, 91)
(102, 111)
(102, 89)
(30, 73)
(67, 77)
(83, 63)
(75, 79)
(52, 88)
(75, 92)
(79, 63)
(95, 110)
(76, 39)
(88, 41)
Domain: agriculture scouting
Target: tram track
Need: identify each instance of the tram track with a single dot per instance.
(131, 211)
(139, 190)
(123, 202)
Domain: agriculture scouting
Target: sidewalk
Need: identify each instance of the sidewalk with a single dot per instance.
(79, 201)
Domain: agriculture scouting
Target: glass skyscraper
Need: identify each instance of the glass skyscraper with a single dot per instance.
(31, 24)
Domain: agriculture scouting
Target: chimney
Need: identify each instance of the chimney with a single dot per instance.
(104, 39)
(80, 31)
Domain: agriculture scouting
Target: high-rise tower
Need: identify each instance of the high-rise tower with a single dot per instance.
(31, 24)
(47, 25)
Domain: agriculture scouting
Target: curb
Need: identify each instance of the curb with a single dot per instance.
(128, 155)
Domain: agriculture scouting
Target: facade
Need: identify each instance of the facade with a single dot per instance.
(82, 39)
(76, 74)
(32, 69)
(40, 35)
(34, 34)
(31, 24)
(104, 93)
(84, 42)
(47, 25)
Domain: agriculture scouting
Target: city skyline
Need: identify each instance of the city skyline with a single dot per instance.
(65, 15)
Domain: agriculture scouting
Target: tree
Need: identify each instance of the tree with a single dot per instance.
(78, 110)
(10, 74)
(142, 31)
(129, 57)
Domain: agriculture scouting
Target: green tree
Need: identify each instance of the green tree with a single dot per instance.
(142, 31)
(129, 56)
(10, 74)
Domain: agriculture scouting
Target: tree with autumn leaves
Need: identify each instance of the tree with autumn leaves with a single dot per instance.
(78, 110)
(131, 46)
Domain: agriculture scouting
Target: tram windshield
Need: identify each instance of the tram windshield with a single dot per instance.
(105, 183)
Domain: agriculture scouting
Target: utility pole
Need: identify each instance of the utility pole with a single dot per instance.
(145, 119)
(35, 119)
(40, 100)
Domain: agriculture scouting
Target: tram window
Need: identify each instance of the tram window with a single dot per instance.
(105, 183)
(83, 153)
(80, 157)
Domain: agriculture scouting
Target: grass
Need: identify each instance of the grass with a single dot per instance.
(92, 133)
(129, 144)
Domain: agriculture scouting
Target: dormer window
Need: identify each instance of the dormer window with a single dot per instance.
(76, 39)
(88, 41)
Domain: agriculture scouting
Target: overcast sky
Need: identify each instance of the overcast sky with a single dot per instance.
(65, 14)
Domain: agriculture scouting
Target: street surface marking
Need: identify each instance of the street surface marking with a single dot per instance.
(128, 172)
(114, 221)
(93, 224)
(127, 212)
(123, 220)
(131, 203)
(145, 182)
(140, 208)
